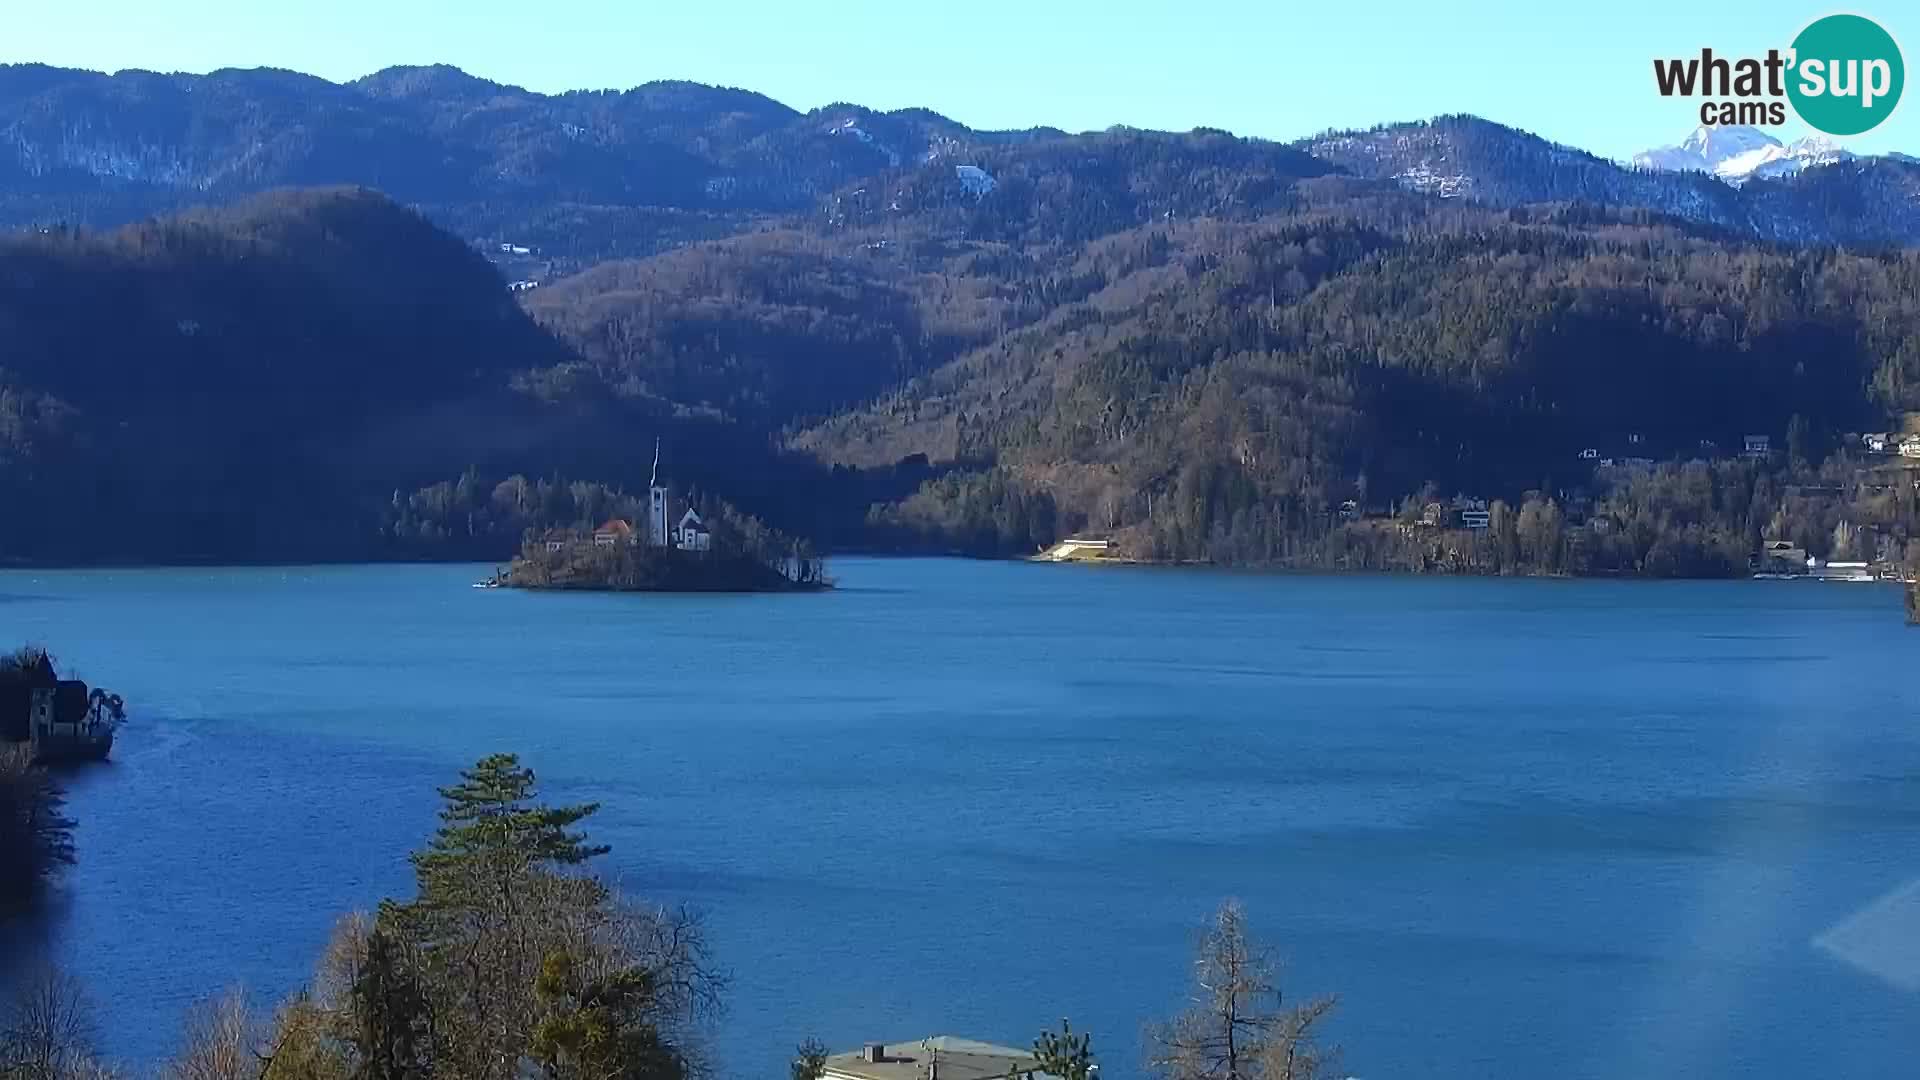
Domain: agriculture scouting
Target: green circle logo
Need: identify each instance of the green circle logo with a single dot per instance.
(1847, 74)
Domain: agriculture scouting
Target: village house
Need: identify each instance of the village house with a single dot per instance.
(1783, 557)
(614, 533)
(1878, 442)
(941, 1057)
(1758, 447)
(1910, 447)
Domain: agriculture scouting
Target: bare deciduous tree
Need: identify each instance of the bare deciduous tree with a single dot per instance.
(47, 1034)
(1292, 1050)
(1238, 1026)
(221, 1042)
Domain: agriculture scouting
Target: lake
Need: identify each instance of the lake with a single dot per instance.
(1522, 828)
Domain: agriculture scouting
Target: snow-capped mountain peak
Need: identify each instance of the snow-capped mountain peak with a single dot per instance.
(1737, 154)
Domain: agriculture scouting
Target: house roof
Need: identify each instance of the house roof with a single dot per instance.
(691, 516)
(615, 525)
(960, 1059)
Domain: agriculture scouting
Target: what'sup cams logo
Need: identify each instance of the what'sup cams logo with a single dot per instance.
(1843, 75)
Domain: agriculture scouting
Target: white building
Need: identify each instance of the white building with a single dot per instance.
(656, 504)
(1910, 446)
(691, 534)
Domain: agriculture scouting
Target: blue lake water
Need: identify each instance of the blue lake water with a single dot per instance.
(1522, 828)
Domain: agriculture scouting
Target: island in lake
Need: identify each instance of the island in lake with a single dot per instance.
(721, 550)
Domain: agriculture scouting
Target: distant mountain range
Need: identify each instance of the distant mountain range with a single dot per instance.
(1867, 201)
(596, 174)
(1739, 154)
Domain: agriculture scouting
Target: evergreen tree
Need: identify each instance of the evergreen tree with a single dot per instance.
(1064, 1054)
(391, 1022)
(599, 1027)
(809, 1060)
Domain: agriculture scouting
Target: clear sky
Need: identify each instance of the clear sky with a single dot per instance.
(1580, 74)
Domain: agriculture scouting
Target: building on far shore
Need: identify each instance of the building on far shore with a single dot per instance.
(1782, 557)
(615, 533)
(1077, 549)
(940, 1057)
(691, 534)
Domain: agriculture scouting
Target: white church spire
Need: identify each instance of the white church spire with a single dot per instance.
(656, 503)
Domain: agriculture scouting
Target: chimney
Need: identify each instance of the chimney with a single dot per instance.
(874, 1053)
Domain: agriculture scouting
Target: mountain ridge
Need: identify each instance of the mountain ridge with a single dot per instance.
(670, 162)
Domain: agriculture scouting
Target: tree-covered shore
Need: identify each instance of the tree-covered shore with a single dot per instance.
(514, 958)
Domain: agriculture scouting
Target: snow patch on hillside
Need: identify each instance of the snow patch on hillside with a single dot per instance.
(1426, 179)
(974, 180)
(851, 126)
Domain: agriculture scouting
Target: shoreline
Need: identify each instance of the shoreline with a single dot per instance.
(23, 566)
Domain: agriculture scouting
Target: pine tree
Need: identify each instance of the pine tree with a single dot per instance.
(809, 1060)
(493, 892)
(1065, 1055)
(492, 835)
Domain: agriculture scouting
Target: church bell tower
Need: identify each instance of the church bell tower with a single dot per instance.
(657, 504)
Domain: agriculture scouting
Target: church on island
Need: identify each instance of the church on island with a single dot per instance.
(689, 533)
(669, 550)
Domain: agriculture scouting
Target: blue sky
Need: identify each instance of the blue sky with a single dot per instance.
(1273, 68)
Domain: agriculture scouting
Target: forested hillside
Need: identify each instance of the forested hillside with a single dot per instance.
(189, 387)
(886, 330)
(1229, 388)
(323, 375)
